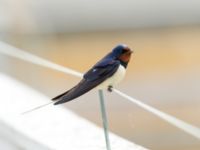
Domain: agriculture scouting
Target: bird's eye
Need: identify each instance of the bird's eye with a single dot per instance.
(124, 51)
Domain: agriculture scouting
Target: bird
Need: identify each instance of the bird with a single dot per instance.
(105, 74)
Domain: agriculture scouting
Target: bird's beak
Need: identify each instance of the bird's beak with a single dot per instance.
(130, 51)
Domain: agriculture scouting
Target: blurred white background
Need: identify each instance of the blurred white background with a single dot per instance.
(164, 71)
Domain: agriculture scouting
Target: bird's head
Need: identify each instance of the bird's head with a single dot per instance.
(122, 53)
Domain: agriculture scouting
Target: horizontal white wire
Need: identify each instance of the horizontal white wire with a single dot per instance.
(17, 53)
(172, 120)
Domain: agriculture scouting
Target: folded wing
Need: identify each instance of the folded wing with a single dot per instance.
(95, 76)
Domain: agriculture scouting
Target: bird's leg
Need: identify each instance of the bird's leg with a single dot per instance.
(110, 87)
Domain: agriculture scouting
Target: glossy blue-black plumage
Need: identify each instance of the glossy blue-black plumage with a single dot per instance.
(101, 71)
(116, 52)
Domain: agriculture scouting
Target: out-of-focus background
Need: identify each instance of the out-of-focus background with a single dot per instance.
(164, 71)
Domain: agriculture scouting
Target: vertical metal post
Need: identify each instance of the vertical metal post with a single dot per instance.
(104, 119)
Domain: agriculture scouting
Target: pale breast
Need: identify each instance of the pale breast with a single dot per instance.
(115, 79)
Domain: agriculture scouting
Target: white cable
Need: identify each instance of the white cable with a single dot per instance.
(17, 53)
(172, 120)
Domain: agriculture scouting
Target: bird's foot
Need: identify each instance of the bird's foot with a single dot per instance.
(110, 88)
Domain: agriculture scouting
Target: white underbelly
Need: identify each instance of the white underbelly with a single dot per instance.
(113, 80)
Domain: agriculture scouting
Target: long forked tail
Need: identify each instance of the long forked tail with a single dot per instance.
(59, 96)
(64, 96)
(36, 108)
(81, 88)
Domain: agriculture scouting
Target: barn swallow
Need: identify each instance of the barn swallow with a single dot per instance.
(105, 74)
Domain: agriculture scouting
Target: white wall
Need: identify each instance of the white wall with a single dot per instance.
(84, 15)
(52, 127)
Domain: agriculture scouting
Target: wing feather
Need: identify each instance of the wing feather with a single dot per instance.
(91, 79)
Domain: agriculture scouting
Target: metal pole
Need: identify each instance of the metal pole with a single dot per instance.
(104, 119)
